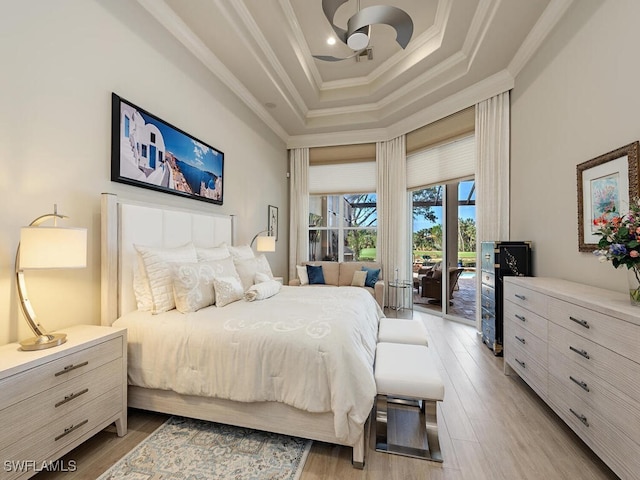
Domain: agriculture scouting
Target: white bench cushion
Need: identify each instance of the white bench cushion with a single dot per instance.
(396, 330)
(407, 371)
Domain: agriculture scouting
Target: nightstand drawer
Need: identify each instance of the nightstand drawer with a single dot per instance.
(33, 381)
(45, 441)
(530, 321)
(37, 411)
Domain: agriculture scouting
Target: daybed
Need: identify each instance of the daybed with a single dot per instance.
(341, 274)
(241, 364)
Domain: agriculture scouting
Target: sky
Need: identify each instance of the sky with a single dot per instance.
(463, 212)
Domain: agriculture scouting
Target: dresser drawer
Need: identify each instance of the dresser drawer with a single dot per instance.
(31, 382)
(530, 321)
(31, 414)
(616, 407)
(528, 368)
(614, 369)
(605, 439)
(488, 279)
(613, 333)
(44, 442)
(530, 299)
(516, 335)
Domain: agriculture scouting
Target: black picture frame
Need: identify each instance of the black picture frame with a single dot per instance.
(272, 221)
(149, 152)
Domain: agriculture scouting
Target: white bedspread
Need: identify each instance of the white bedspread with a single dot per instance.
(311, 348)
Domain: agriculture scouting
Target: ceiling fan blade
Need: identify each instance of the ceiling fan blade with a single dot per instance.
(329, 7)
(329, 58)
(384, 14)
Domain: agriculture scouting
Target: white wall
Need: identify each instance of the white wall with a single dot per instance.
(577, 99)
(60, 61)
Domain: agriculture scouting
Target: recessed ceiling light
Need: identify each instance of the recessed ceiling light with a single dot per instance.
(331, 41)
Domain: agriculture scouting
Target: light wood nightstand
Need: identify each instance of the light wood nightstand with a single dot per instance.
(53, 400)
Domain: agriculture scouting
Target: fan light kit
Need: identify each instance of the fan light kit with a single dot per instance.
(358, 31)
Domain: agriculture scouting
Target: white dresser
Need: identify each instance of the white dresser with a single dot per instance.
(578, 347)
(52, 400)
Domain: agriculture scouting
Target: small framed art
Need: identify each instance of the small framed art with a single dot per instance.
(272, 224)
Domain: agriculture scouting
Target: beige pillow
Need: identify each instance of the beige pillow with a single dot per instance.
(213, 253)
(228, 290)
(193, 285)
(241, 251)
(302, 274)
(247, 269)
(359, 277)
(141, 288)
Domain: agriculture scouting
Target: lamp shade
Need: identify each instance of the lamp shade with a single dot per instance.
(53, 247)
(266, 244)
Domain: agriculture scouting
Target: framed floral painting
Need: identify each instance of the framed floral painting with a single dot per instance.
(605, 185)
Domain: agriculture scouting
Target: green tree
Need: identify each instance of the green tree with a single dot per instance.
(360, 212)
(423, 200)
(466, 235)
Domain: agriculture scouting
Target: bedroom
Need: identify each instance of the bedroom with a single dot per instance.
(575, 100)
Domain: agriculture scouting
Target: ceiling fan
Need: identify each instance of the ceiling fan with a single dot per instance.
(358, 31)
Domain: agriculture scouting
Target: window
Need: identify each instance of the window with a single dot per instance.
(343, 227)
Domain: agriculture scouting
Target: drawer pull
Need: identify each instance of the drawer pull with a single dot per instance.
(579, 352)
(521, 297)
(580, 383)
(71, 367)
(520, 317)
(522, 364)
(584, 323)
(582, 418)
(70, 429)
(521, 340)
(68, 398)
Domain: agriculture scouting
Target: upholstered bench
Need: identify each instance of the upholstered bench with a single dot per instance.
(408, 331)
(409, 373)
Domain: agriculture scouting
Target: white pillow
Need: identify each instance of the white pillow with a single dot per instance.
(141, 288)
(213, 253)
(247, 269)
(302, 274)
(262, 291)
(157, 266)
(228, 290)
(223, 268)
(241, 251)
(193, 285)
(359, 277)
(262, 277)
(263, 265)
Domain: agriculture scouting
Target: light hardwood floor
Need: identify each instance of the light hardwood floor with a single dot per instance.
(492, 426)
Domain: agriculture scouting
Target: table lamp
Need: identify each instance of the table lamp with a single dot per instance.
(265, 243)
(46, 247)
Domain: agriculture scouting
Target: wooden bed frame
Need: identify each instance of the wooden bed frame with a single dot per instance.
(126, 223)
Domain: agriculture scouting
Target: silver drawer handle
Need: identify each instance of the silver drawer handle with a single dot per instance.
(71, 367)
(579, 352)
(521, 340)
(582, 418)
(584, 323)
(521, 297)
(520, 317)
(68, 398)
(580, 383)
(522, 364)
(70, 429)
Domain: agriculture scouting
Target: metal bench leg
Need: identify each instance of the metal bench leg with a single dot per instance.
(429, 414)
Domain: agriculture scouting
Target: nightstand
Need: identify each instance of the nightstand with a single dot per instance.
(53, 400)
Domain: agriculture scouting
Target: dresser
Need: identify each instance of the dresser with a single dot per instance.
(499, 259)
(578, 347)
(53, 400)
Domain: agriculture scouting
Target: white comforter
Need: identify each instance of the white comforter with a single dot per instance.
(311, 348)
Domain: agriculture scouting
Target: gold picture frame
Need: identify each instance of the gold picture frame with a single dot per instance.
(610, 180)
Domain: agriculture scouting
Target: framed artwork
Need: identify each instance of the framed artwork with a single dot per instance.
(604, 183)
(151, 153)
(272, 224)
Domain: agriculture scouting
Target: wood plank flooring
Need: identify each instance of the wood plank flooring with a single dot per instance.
(492, 426)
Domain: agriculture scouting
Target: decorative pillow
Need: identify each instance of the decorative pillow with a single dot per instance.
(302, 274)
(372, 276)
(246, 268)
(241, 251)
(316, 277)
(263, 265)
(263, 290)
(228, 290)
(213, 253)
(157, 266)
(193, 285)
(262, 277)
(141, 288)
(359, 277)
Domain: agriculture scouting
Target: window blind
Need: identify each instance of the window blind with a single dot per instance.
(342, 169)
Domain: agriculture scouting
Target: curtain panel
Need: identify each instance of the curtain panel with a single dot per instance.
(298, 208)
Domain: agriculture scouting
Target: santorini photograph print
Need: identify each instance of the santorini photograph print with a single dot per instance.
(151, 153)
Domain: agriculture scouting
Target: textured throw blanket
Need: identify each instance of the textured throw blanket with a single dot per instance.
(263, 290)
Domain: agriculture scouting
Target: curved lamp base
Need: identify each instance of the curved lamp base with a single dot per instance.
(44, 341)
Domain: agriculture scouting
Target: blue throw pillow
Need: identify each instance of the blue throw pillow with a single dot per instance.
(316, 277)
(372, 276)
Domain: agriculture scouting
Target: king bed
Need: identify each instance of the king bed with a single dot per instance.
(297, 363)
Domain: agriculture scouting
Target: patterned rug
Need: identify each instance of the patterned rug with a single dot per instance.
(188, 449)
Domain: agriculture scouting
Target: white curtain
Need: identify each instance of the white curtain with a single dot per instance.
(298, 208)
(392, 209)
(492, 175)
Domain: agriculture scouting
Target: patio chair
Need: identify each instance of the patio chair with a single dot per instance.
(432, 284)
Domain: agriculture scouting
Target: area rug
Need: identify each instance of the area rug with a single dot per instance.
(188, 449)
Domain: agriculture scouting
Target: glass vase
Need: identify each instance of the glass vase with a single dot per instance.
(633, 276)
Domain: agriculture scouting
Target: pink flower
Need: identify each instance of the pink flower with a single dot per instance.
(634, 254)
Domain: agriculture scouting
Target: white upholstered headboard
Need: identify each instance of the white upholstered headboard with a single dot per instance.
(126, 223)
